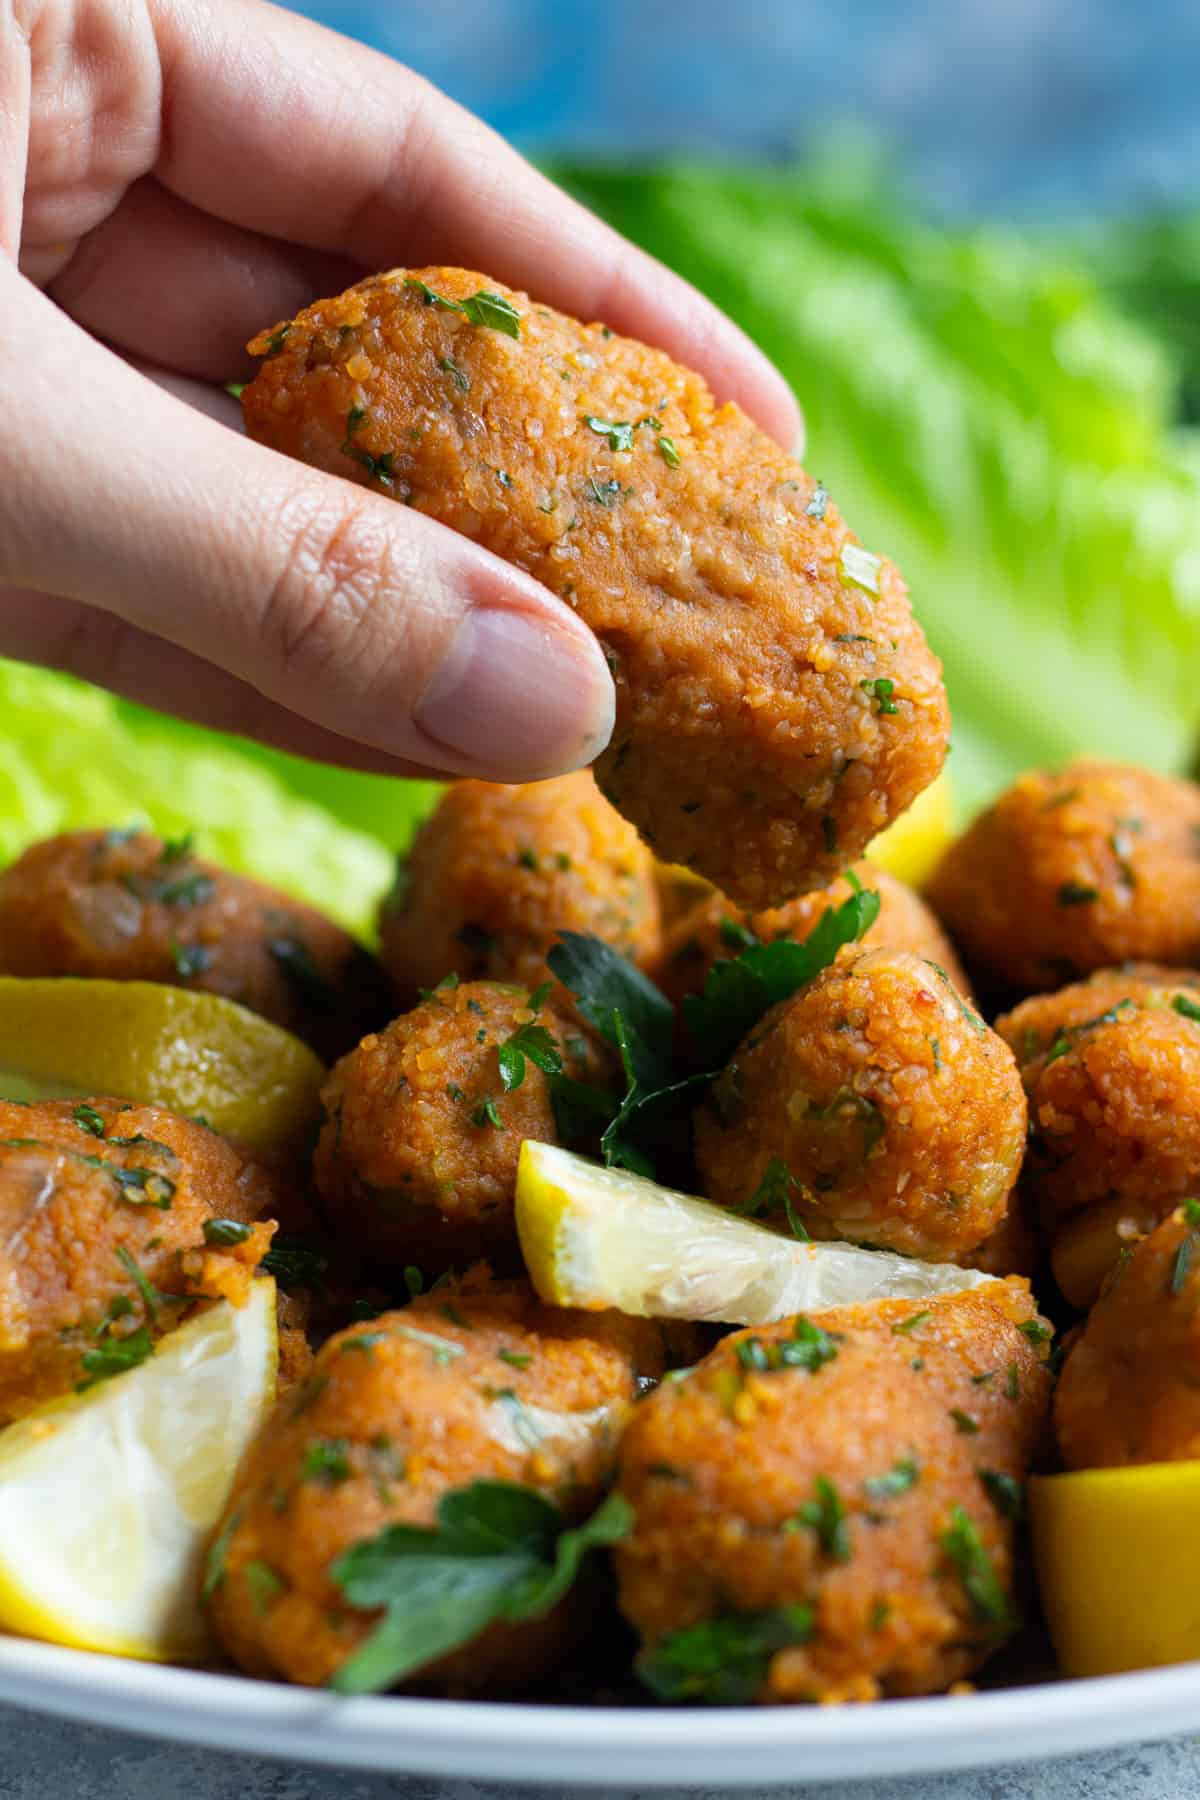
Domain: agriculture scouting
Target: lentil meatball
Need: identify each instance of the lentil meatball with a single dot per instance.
(777, 704)
(497, 873)
(878, 1104)
(128, 907)
(417, 1159)
(103, 1209)
(824, 1508)
(1111, 1067)
(712, 929)
(1077, 871)
(478, 1381)
(1130, 1388)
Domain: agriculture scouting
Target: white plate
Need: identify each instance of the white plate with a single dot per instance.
(604, 1746)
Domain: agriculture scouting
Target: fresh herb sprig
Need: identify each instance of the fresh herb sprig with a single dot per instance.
(497, 1552)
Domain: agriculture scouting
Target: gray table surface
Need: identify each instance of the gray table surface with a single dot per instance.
(46, 1759)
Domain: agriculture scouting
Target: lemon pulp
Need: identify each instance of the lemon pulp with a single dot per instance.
(107, 1497)
(596, 1237)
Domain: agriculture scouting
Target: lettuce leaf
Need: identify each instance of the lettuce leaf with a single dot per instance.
(71, 756)
(988, 418)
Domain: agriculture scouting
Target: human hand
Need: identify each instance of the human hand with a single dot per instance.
(174, 175)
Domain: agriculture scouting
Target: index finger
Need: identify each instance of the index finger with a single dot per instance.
(281, 126)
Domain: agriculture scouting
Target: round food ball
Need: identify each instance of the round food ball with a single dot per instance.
(417, 1159)
(777, 704)
(476, 1382)
(824, 1507)
(497, 873)
(125, 906)
(1130, 1388)
(1073, 872)
(103, 1242)
(713, 928)
(877, 1104)
(1111, 1067)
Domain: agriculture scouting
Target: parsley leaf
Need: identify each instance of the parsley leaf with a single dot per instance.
(88, 1119)
(529, 1043)
(899, 1479)
(498, 1551)
(738, 993)
(826, 1515)
(606, 986)
(481, 308)
(114, 1356)
(723, 1662)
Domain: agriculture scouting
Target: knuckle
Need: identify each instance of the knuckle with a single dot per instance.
(332, 569)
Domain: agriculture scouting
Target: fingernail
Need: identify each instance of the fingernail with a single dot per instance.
(518, 696)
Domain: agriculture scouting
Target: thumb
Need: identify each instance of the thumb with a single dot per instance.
(376, 624)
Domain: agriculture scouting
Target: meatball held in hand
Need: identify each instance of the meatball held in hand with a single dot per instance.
(1111, 1067)
(417, 1160)
(824, 1507)
(103, 1214)
(877, 1105)
(126, 906)
(477, 1382)
(1130, 1388)
(497, 873)
(777, 704)
(1074, 872)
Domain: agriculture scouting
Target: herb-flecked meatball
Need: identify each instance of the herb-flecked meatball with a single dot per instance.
(417, 1159)
(497, 873)
(1072, 872)
(125, 906)
(476, 1382)
(877, 1105)
(1130, 1388)
(1111, 1067)
(777, 704)
(825, 1507)
(107, 1214)
(713, 929)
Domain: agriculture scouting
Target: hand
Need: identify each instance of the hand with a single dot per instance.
(175, 174)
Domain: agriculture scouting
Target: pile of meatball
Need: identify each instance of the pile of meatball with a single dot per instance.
(843, 1491)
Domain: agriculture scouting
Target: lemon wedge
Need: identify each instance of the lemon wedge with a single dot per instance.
(597, 1237)
(195, 1053)
(107, 1497)
(1118, 1565)
(911, 846)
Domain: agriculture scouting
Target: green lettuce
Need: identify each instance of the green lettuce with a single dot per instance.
(71, 757)
(986, 416)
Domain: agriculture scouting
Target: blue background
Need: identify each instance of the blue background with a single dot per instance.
(1008, 106)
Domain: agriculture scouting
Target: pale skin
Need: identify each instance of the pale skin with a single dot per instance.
(174, 175)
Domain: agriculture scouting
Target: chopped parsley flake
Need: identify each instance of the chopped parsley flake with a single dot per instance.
(668, 452)
(263, 1584)
(458, 375)
(481, 308)
(1006, 1493)
(963, 1422)
(724, 1661)
(826, 1515)
(114, 1356)
(962, 1545)
(325, 1461)
(904, 1327)
(1187, 1009)
(88, 1119)
(899, 1479)
(516, 1359)
(619, 432)
(1076, 893)
(486, 1114)
(881, 689)
(225, 1233)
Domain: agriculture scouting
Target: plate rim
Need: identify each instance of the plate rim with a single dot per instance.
(601, 1746)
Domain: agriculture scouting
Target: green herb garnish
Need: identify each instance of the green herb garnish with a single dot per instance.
(826, 1516)
(1076, 893)
(497, 1552)
(899, 1479)
(325, 1461)
(88, 1119)
(481, 308)
(225, 1234)
(725, 1661)
(1006, 1493)
(881, 690)
(961, 1543)
(619, 432)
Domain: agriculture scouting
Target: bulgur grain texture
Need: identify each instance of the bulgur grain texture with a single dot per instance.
(1075, 871)
(496, 873)
(877, 1104)
(870, 1483)
(477, 1381)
